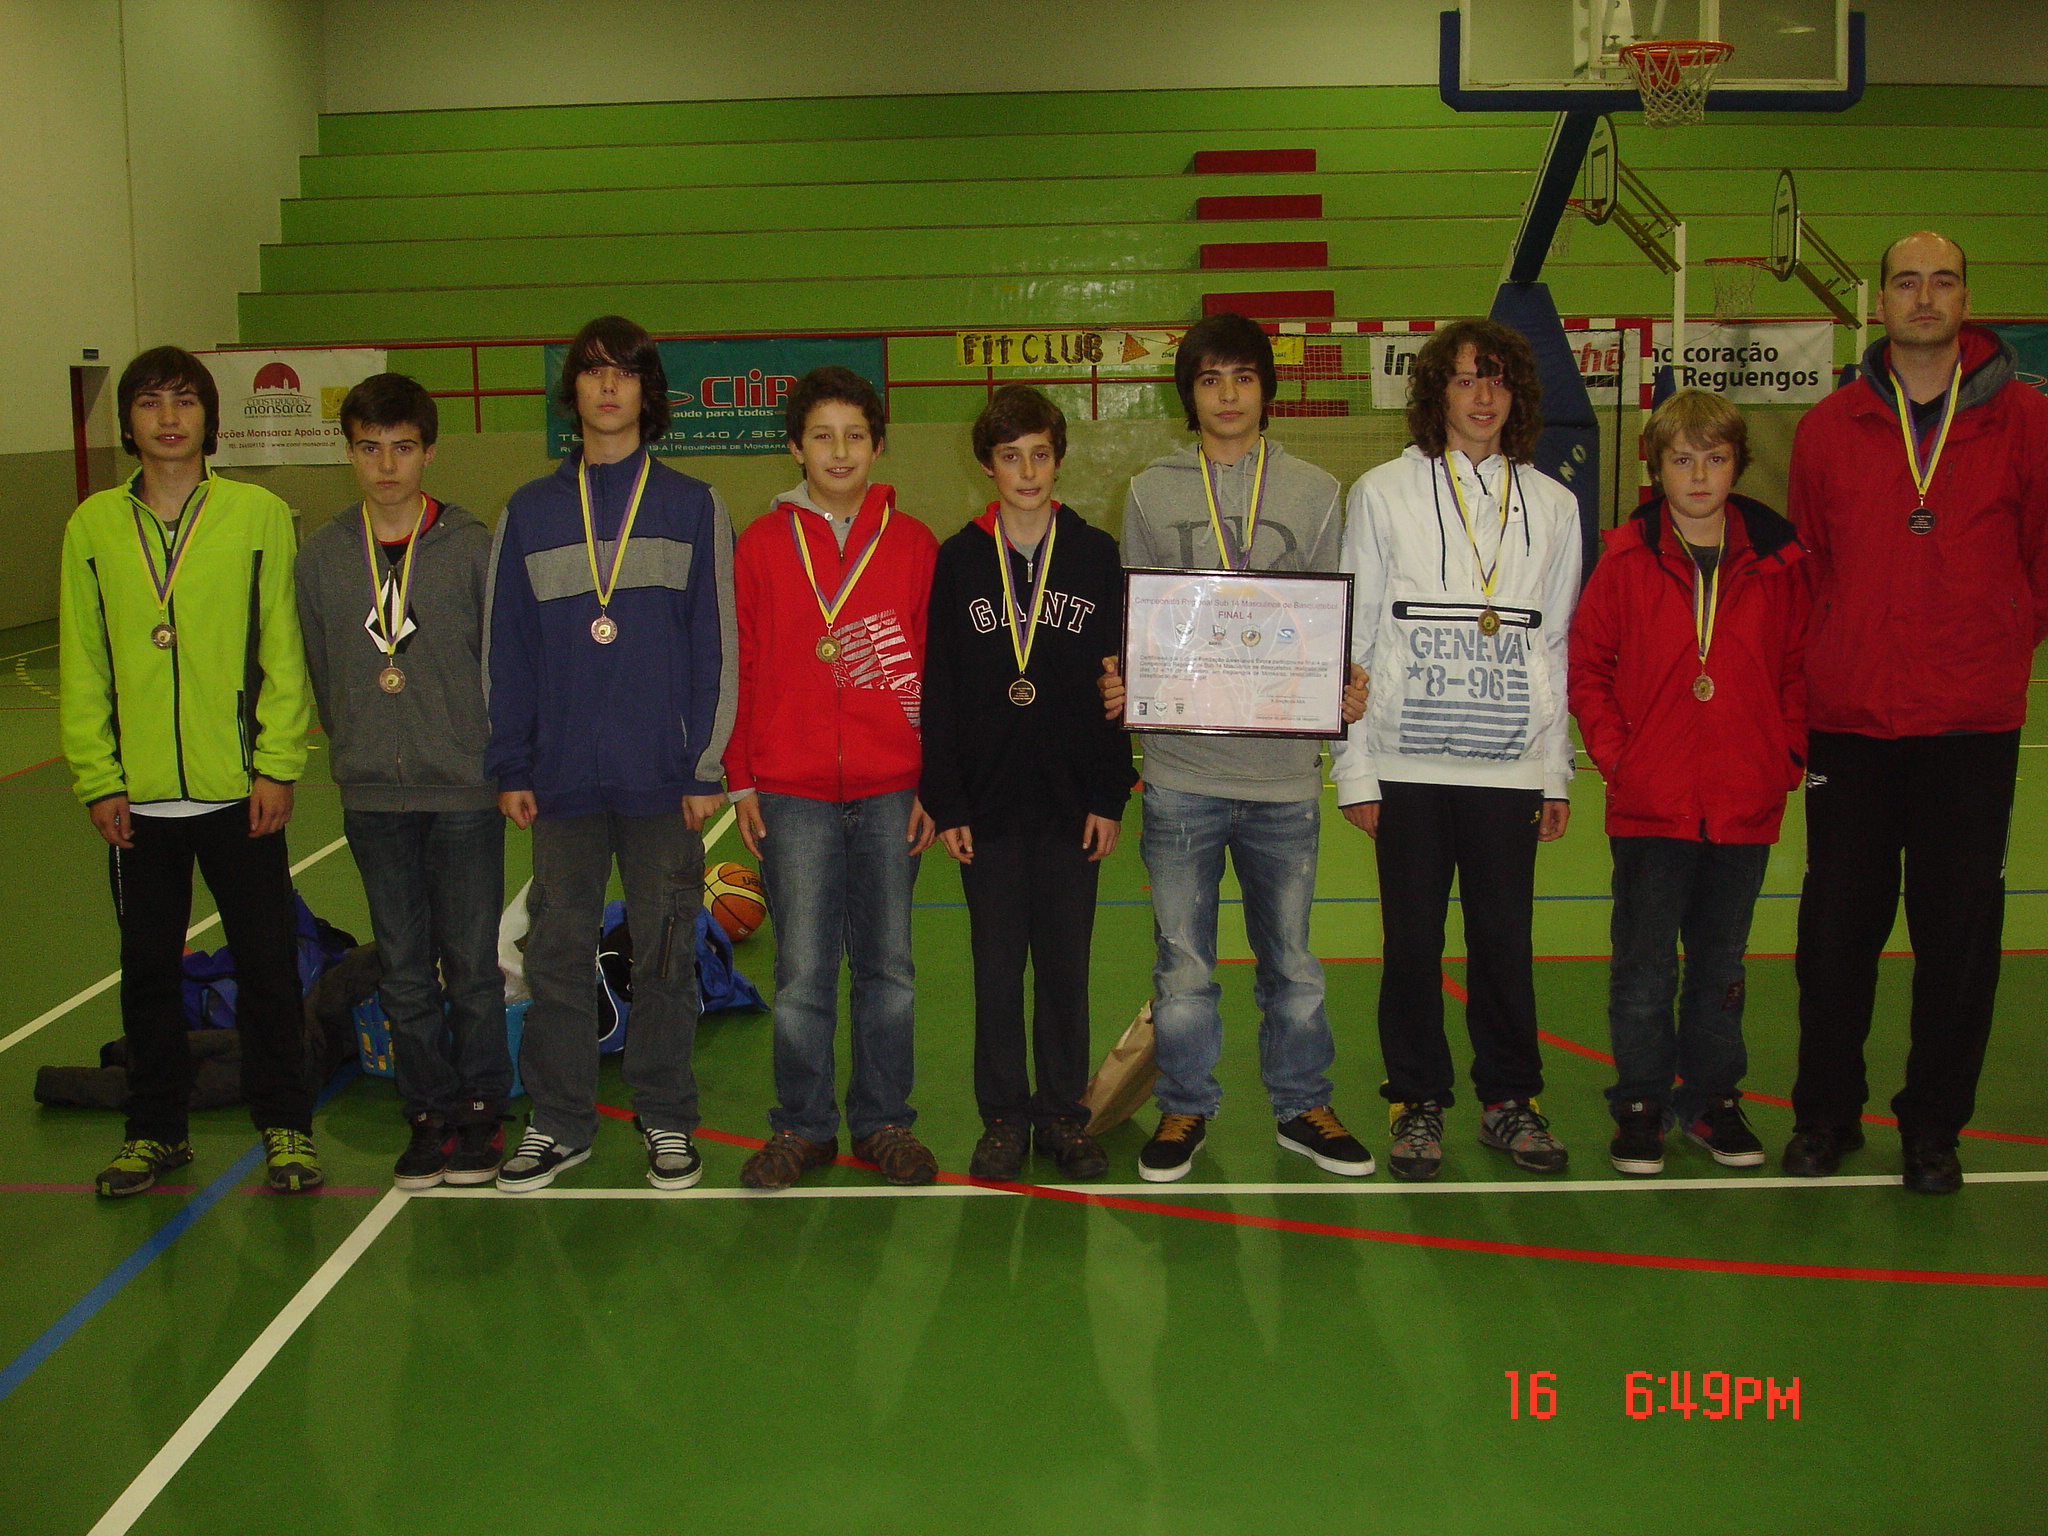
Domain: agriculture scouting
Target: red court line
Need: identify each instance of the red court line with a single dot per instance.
(1457, 994)
(1454, 1244)
(31, 768)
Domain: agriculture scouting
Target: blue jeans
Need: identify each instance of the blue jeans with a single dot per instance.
(436, 882)
(1272, 845)
(838, 878)
(1667, 889)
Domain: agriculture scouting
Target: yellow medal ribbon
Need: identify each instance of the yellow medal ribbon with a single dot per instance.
(1706, 606)
(1489, 621)
(1021, 644)
(1922, 480)
(602, 586)
(1251, 522)
(828, 609)
(188, 524)
(389, 625)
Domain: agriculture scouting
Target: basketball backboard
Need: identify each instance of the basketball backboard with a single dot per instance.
(1785, 227)
(1565, 55)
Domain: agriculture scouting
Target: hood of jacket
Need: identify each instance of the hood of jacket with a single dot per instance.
(1989, 364)
(1769, 534)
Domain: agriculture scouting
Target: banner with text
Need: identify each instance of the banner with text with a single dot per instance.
(285, 407)
(2029, 339)
(729, 396)
(1788, 362)
(1150, 350)
(1393, 357)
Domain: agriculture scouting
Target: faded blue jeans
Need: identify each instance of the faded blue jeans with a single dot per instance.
(436, 882)
(838, 876)
(1668, 889)
(1272, 846)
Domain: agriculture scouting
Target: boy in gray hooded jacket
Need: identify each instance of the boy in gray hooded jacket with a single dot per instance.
(391, 600)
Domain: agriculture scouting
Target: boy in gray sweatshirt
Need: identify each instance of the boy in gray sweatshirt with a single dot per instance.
(1233, 500)
(391, 600)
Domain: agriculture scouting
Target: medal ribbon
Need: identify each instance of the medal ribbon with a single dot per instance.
(1487, 573)
(603, 587)
(1021, 642)
(1921, 481)
(391, 624)
(829, 609)
(1706, 600)
(1251, 522)
(188, 525)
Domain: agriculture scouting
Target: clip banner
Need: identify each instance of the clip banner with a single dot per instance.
(1393, 357)
(1788, 362)
(285, 407)
(729, 396)
(1089, 349)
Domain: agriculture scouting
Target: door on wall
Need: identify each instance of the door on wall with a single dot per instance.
(95, 436)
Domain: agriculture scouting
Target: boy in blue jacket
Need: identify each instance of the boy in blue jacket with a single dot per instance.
(611, 678)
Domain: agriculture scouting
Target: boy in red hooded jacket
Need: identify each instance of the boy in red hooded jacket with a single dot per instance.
(831, 590)
(1688, 683)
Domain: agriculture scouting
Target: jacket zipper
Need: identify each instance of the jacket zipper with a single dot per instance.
(178, 703)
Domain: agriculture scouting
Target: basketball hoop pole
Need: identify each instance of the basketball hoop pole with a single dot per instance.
(1677, 302)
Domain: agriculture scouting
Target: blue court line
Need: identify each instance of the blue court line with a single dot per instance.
(1325, 901)
(23, 1365)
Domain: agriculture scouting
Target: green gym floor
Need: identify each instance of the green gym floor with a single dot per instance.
(1262, 1348)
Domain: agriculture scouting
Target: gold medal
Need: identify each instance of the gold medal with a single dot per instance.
(1022, 692)
(387, 626)
(604, 629)
(165, 634)
(1021, 619)
(1489, 623)
(163, 637)
(827, 648)
(1251, 522)
(829, 645)
(392, 679)
(1920, 520)
(1703, 687)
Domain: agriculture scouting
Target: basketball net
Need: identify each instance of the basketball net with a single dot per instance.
(1673, 78)
(1734, 286)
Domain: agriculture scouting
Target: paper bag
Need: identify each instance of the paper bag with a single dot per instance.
(1124, 1080)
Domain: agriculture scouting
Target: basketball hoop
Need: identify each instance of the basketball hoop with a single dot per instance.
(1735, 285)
(1561, 241)
(1673, 78)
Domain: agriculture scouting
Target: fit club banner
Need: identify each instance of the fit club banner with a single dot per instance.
(729, 396)
(285, 407)
(1090, 348)
(1765, 363)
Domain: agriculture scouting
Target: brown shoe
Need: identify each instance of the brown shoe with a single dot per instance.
(786, 1158)
(902, 1158)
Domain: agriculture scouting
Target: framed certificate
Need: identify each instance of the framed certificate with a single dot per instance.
(1236, 653)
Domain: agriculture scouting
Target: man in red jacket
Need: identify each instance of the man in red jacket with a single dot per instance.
(832, 588)
(1922, 492)
(1687, 682)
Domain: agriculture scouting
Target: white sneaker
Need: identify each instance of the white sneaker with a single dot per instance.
(534, 1166)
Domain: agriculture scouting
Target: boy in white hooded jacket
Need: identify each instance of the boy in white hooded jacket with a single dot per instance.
(1467, 565)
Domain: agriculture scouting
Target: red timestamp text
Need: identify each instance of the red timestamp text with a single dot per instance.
(1721, 1395)
(1541, 1397)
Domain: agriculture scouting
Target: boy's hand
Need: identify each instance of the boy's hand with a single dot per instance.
(922, 830)
(270, 806)
(699, 809)
(112, 819)
(1111, 686)
(1365, 816)
(1099, 837)
(1357, 694)
(959, 842)
(1557, 815)
(519, 807)
(746, 813)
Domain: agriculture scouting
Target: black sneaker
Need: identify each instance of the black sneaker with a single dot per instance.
(672, 1160)
(1318, 1135)
(1638, 1145)
(1418, 1132)
(999, 1155)
(479, 1144)
(138, 1165)
(1817, 1154)
(424, 1162)
(1067, 1143)
(1171, 1150)
(539, 1158)
(1932, 1168)
(1723, 1129)
(1517, 1127)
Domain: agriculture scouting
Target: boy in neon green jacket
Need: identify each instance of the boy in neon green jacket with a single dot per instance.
(185, 708)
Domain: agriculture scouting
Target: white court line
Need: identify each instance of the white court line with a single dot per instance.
(108, 980)
(1154, 1191)
(164, 1466)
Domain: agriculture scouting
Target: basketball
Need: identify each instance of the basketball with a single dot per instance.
(733, 893)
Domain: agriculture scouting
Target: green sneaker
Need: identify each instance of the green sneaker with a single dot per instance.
(293, 1165)
(139, 1164)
